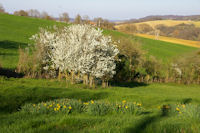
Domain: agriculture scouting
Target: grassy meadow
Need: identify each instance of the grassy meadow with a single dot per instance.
(49, 105)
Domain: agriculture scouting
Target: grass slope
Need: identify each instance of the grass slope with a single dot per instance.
(14, 93)
(15, 32)
(190, 43)
(162, 50)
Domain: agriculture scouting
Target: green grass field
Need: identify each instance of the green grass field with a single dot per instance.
(164, 108)
(14, 93)
(15, 32)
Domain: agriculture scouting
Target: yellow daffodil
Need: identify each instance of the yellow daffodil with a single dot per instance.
(177, 109)
(126, 107)
(70, 107)
(65, 107)
(55, 109)
(85, 103)
(167, 107)
(139, 104)
(92, 102)
(45, 104)
(124, 101)
(183, 106)
(33, 105)
(50, 105)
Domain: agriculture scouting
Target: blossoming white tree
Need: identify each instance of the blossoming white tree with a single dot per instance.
(79, 50)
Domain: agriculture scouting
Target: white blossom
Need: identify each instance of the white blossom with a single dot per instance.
(78, 48)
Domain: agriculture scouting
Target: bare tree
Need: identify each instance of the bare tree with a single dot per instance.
(64, 17)
(21, 13)
(78, 19)
(45, 15)
(99, 21)
(33, 13)
(86, 19)
(2, 10)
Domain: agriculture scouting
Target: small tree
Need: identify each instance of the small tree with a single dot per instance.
(64, 17)
(86, 19)
(21, 13)
(34, 13)
(2, 10)
(78, 19)
(78, 51)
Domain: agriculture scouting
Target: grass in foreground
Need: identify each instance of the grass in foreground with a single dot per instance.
(15, 93)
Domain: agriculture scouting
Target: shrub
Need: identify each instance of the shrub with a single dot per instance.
(186, 70)
(144, 28)
(77, 51)
(131, 59)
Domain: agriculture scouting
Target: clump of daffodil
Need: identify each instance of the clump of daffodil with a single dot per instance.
(177, 109)
(124, 101)
(85, 103)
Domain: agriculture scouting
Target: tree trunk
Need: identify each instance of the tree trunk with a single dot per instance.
(85, 79)
(59, 75)
(104, 83)
(92, 84)
(72, 77)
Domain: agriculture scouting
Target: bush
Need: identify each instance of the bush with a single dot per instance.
(78, 52)
(130, 59)
(144, 28)
(187, 69)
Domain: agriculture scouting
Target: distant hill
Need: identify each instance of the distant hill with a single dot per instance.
(164, 17)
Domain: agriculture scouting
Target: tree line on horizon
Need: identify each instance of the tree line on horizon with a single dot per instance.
(64, 17)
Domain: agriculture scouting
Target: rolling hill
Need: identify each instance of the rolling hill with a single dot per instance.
(15, 32)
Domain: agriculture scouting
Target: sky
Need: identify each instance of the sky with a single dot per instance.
(109, 9)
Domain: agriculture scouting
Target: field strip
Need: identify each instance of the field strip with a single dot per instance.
(173, 40)
(162, 22)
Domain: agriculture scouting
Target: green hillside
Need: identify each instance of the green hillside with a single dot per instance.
(15, 32)
(160, 49)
